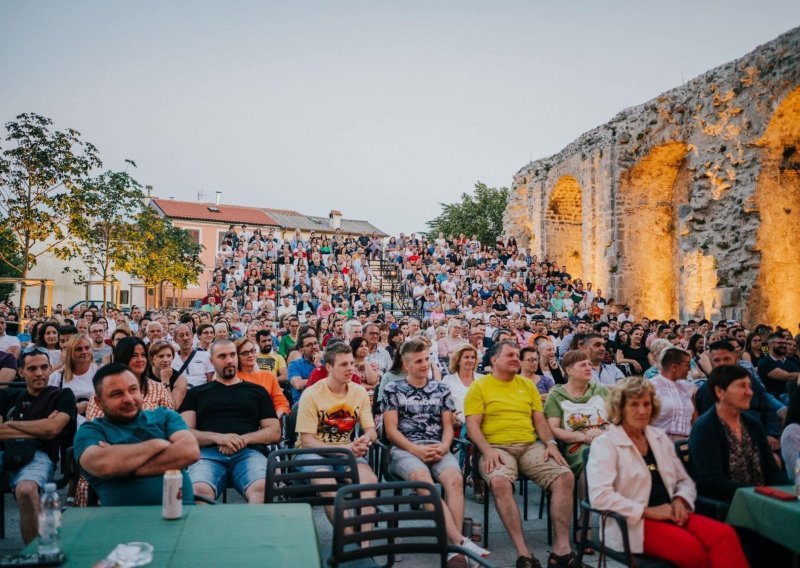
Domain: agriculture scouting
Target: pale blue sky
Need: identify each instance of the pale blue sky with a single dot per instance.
(380, 109)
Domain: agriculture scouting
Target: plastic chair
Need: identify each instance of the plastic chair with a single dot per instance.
(411, 529)
(287, 482)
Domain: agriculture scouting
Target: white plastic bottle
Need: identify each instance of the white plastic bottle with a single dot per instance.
(50, 522)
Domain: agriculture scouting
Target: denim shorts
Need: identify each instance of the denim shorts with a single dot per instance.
(220, 471)
(39, 470)
(403, 463)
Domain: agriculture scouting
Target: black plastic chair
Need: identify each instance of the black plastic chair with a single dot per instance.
(713, 508)
(287, 482)
(411, 529)
(625, 556)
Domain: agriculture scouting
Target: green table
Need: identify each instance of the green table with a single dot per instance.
(774, 519)
(281, 534)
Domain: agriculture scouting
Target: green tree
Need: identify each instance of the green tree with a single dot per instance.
(112, 201)
(480, 213)
(161, 252)
(9, 248)
(40, 171)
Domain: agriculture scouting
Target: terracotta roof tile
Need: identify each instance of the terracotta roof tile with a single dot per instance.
(221, 213)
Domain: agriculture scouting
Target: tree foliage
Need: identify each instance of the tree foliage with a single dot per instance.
(480, 213)
(104, 232)
(9, 248)
(40, 171)
(162, 252)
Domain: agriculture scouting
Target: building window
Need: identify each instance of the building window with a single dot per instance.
(194, 234)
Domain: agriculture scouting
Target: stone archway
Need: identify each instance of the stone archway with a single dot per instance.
(649, 195)
(564, 225)
(775, 299)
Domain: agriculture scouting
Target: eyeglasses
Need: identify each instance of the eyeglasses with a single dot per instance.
(247, 353)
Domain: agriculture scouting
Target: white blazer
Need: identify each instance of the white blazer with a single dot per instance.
(619, 480)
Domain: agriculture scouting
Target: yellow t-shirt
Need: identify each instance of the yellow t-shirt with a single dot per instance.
(332, 418)
(273, 362)
(507, 408)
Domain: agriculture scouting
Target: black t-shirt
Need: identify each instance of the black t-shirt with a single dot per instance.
(767, 364)
(7, 361)
(18, 404)
(639, 355)
(658, 491)
(233, 409)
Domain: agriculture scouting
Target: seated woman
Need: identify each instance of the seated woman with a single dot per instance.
(528, 366)
(576, 411)
(729, 449)
(633, 470)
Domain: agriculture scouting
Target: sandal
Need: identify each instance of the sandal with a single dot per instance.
(566, 561)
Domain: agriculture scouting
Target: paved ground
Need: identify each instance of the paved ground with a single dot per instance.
(503, 554)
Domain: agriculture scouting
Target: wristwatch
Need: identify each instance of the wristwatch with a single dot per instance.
(553, 442)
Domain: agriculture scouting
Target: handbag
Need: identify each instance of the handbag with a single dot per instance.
(19, 452)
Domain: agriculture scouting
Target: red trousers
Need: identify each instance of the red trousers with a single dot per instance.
(701, 543)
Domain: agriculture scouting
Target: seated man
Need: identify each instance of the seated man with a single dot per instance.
(233, 421)
(418, 418)
(505, 421)
(33, 421)
(126, 452)
(300, 369)
(331, 408)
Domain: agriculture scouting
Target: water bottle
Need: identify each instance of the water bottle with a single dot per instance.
(50, 522)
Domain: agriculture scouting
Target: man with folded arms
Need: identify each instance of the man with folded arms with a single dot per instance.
(126, 452)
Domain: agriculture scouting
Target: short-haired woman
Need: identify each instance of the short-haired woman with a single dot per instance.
(633, 470)
(729, 449)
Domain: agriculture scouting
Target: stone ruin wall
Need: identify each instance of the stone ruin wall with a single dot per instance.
(687, 205)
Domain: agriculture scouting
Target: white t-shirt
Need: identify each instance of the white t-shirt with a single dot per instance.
(80, 385)
(8, 341)
(458, 392)
(198, 367)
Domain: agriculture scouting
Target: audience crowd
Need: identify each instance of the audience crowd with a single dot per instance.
(297, 342)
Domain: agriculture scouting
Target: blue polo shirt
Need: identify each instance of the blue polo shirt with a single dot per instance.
(299, 368)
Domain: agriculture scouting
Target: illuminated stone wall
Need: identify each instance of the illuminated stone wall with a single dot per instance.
(687, 205)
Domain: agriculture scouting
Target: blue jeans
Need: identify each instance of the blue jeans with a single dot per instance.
(219, 471)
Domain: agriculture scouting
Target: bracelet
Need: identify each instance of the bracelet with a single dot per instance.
(553, 442)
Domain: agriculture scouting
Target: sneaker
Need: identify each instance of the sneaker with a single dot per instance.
(566, 561)
(474, 548)
(528, 562)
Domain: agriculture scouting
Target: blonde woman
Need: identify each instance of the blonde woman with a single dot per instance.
(463, 363)
(633, 470)
(79, 369)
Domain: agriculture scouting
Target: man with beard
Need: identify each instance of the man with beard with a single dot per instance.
(234, 421)
(776, 369)
(125, 453)
(269, 360)
(32, 419)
